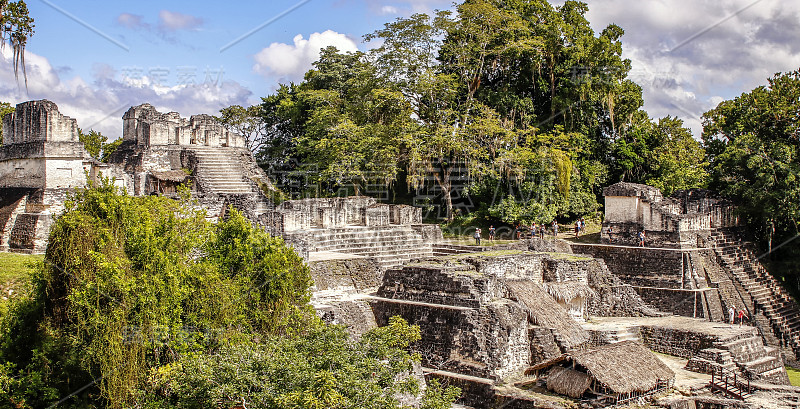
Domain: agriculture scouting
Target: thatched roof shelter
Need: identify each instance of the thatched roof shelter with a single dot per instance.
(565, 381)
(622, 369)
(544, 311)
(567, 291)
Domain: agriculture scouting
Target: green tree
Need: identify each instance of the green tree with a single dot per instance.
(5, 108)
(323, 369)
(16, 26)
(677, 160)
(249, 123)
(93, 142)
(752, 147)
(109, 149)
(132, 284)
(659, 153)
(346, 125)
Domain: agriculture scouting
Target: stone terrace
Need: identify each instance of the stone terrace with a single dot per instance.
(357, 226)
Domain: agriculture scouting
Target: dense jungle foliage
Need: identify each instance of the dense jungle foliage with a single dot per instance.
(517, 111)
(140, 302)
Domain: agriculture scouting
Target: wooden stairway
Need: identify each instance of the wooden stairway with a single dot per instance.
(730, 383)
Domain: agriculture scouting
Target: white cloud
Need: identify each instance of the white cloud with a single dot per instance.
(99, 104)
(289, 62)
(725, 49)
(389, 10)
(173, 21)
(133, 21)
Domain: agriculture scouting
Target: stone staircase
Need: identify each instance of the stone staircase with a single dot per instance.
(447, 249)
(218, 171)
(625, 334)
(744, 355)
(770, 307)
(390, 246)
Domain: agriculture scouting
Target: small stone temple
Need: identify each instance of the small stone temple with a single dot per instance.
(696, 261)
(41, 160)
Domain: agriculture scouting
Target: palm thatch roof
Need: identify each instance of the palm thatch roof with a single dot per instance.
(565, 381)
(544, 311)
(569, 290)
(623, 367)
(176, 176)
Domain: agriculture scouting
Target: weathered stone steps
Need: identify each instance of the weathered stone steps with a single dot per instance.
(765, 294)
(218, 171)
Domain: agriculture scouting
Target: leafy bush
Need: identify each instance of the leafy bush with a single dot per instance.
(130, 284)
(322, 369)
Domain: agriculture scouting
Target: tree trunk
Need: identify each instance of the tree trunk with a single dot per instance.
(448, 198)
(443, 179)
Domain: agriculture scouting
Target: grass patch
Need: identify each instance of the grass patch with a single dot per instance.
(15, 270)
(14, 267)
(794, 375)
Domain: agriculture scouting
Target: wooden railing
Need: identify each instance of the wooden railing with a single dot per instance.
(730, 383)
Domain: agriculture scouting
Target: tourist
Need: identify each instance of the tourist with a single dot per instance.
(555, 228)
(541, 231)
(577, 228)
(610, 231)
(731, 314)
(516, 231)
(583, 225)
(533, 230)
(741, 316)
(641, 238)
(491, 233)
(477, 236)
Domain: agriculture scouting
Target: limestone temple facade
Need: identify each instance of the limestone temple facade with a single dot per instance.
(539, 323)
(41, 160)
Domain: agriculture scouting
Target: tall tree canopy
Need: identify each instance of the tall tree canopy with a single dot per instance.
(518, 106)
(753, 146)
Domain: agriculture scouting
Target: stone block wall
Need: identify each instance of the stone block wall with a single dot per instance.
(647, 267)
(565, 268)
(520, 265)
(376, 215)
(355, 315)
(459, 285)
(676, 342)
(489, 342)
(543, 344)
(688, 303)
(614, 298)
(144, 125)
(431, 233)
(353, 274)
(30, 232)
(404, 214)
(38, 121)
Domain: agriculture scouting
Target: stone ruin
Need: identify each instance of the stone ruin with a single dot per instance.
(514, 324)
(41, 160)
(532, 324)
(695, 262)
(674, 221)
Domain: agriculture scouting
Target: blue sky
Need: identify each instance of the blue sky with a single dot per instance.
(97, 58)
